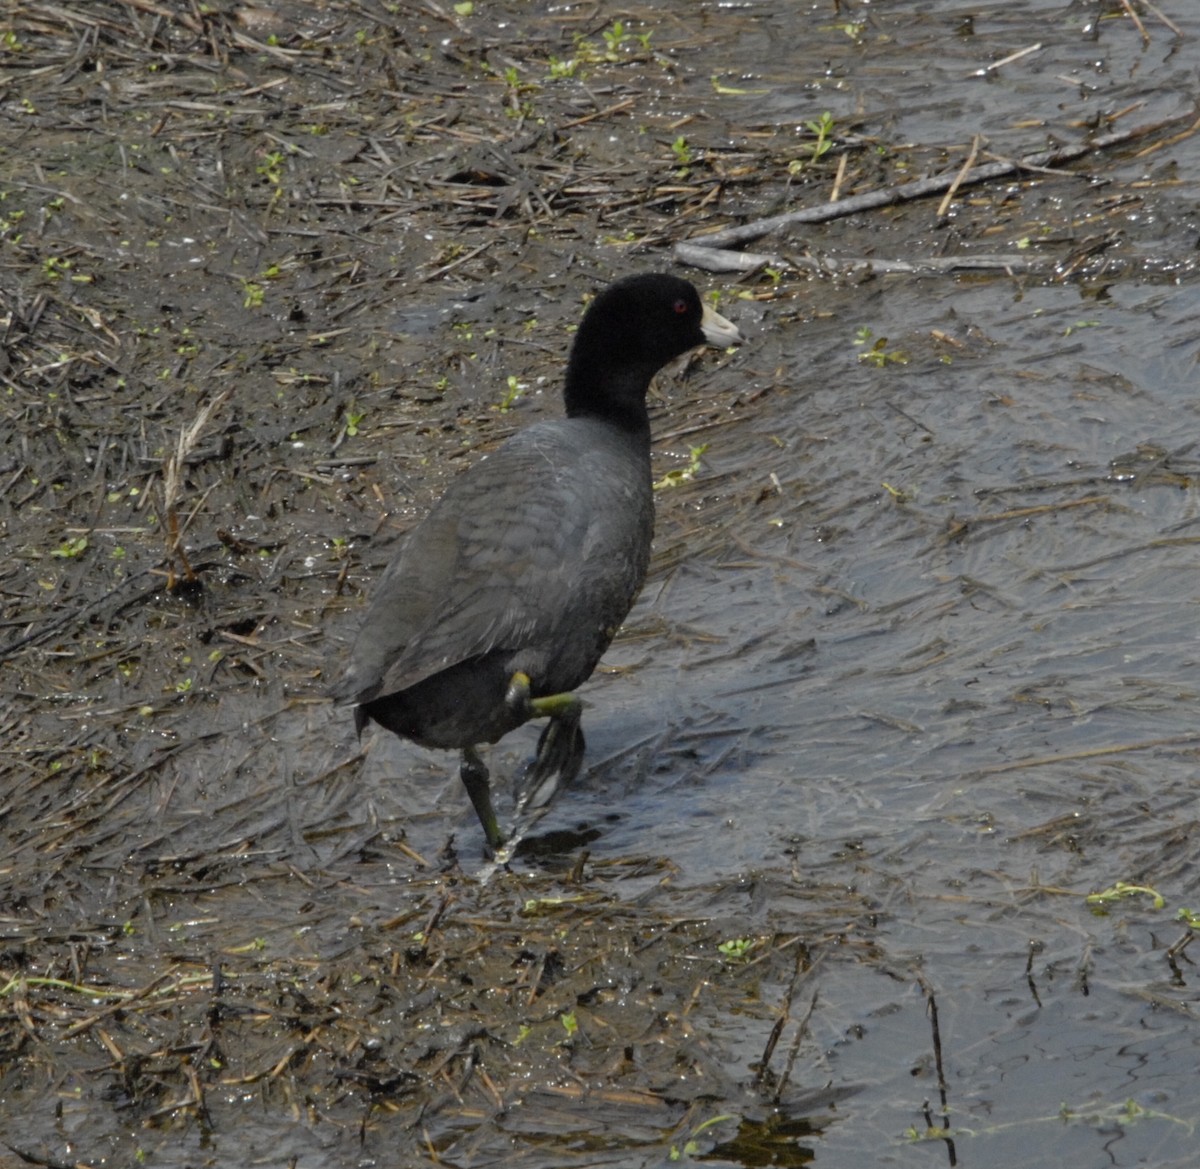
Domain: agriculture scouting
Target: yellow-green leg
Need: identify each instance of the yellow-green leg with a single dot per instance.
(560, 748)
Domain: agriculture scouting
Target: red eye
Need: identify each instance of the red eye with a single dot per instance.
(681, 306)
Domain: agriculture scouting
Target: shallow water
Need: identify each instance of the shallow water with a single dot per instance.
(986, 727)
(991, 721)
(989, 726)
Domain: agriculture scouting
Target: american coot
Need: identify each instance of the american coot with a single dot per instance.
(501, 601)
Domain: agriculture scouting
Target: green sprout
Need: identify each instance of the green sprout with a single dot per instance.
(516, 93)
(736, 948)
(683, 474)
(251, 947)
(514, 392)
(70, 549)
(823, 129)
(561, 69)
(683, 155)
(1120, 891)
(614, 38)
(271, 167)
(691, 1147)
(878, 354)
(352, 422)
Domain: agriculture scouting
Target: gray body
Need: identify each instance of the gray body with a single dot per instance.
(529, 562)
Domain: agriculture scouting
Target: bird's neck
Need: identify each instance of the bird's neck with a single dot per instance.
(619, 398)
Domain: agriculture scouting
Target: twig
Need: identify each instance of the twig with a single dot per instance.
(698, 255)
(1090, 753)
(931, 1007)
(939, 1066)
(620, 107)
(905, 192)
(838, 178)
(47, 1162)
(1169, 141)
(957, 528)
(1168, 22)
(188, 22)
(173, 466)
(724, 260)
(803, 967)
(1007, 60)
(952, 190)
(1137, 20)
(781, 1019)
(74, 616)
(438, 272)
(125, 1002)
(794, 1050)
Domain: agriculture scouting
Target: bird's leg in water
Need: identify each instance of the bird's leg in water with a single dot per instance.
(560, 748)
(474, 775)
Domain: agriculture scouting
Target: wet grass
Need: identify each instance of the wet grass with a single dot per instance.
(207, 406)
(560, 998)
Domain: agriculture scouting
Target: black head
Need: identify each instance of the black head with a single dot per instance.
(629, 332)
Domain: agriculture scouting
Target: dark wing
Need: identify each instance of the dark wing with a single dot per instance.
(401, 603)
(535, 548)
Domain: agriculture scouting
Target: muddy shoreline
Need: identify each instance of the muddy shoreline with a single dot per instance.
(270, 276)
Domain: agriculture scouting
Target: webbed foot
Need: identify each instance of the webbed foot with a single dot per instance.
(560, 748)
